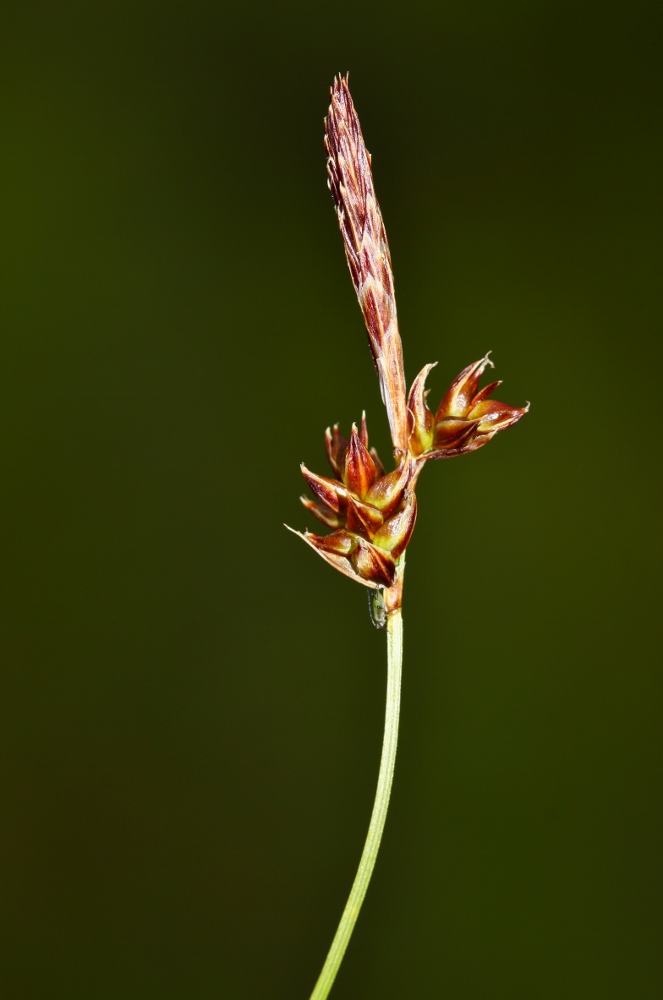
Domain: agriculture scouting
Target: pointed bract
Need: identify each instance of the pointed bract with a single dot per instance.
(323, 514)
(339, 562)
(362, 519)
(484, 393)
(395, 533)
(332, 494)
(363, 430)
(339, 543)
(454, 432)
(379, 467)
(359, 472)
(386, 493)
(494, 416)
(336, 446)
(460, 393)
(421, 420)
(373, 564)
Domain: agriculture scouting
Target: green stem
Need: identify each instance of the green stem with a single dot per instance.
(370, 852)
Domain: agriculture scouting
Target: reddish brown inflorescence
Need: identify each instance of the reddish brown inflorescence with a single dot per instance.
(350, 181)
(373, 512)
(466, 418)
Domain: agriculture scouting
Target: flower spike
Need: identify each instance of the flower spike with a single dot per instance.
(350, 181)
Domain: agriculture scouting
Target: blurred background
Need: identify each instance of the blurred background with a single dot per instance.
(191, 703)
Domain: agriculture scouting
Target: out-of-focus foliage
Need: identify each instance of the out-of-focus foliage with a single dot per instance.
(191, 704)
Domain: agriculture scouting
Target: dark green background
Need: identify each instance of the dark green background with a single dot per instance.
(191, 702)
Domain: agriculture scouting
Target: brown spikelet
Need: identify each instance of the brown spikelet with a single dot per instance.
(367, 250)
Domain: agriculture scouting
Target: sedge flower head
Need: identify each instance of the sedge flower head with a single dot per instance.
(372, 513)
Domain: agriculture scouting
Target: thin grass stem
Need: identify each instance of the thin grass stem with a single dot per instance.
(367, 863)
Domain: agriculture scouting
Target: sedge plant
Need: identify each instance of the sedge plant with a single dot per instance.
(370, 510)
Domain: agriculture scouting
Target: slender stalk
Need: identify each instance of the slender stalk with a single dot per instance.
(367, 863)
